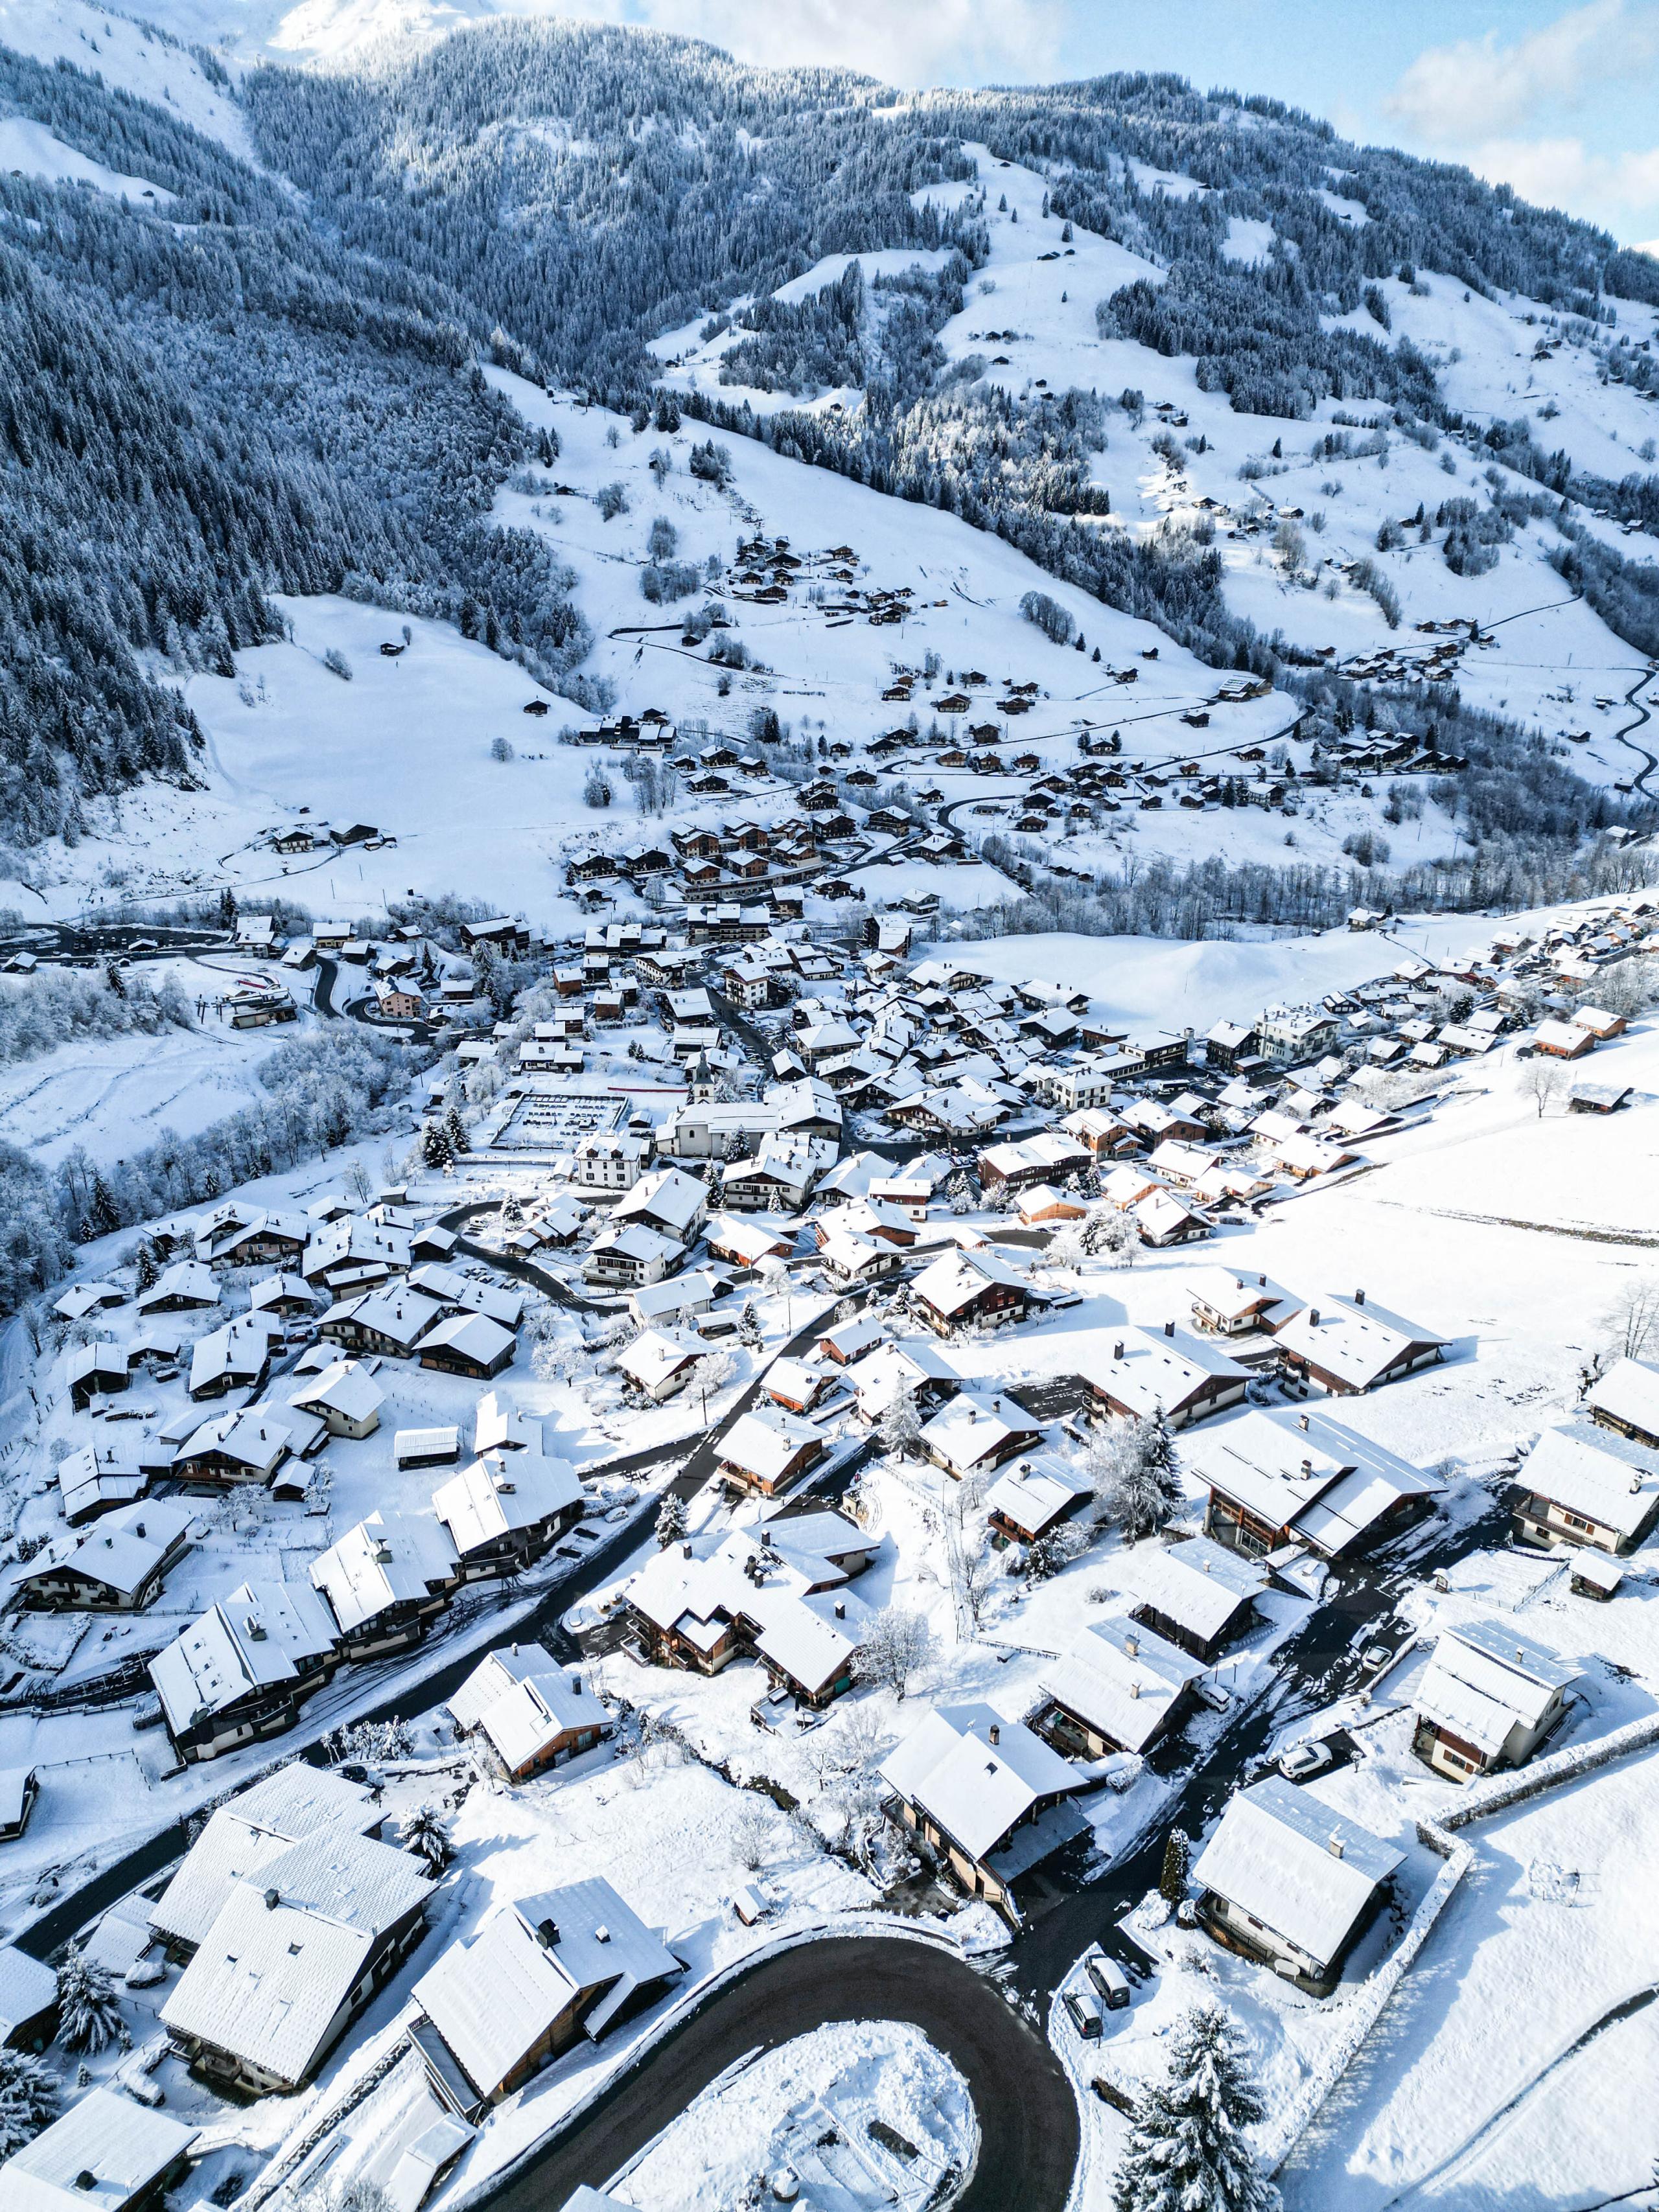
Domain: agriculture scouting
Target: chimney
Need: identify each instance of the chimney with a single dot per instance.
(1334, 1846)
(1301, 1422)
(1359, 1297)
(841, 1608)
(1313, 1316)
(1132, 1645)
(273, 1899)
(1261, 1282)
(1168, 1329)
(1134, 1688)
(575, 1686)
(994, 1732)
(601, 1934)
(685, 1551)
(1117, 1349)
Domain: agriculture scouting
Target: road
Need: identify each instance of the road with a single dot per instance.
(1027, 2114)
(1643, 714)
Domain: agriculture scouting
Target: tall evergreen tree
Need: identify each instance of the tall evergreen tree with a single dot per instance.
(1187, 2152)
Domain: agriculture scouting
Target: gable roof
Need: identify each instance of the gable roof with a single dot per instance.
(1197, 1582)
(974, 1789)
(122, 2144)
(1122, 1680)
(257, 1827)
(1304, 1870)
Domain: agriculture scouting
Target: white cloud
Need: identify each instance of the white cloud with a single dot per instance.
(1478, 91)
(1563, 172)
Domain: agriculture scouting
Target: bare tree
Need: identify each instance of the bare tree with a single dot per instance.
(900, 1426)
(1541, 1082)
(896, 1646)
(751, 1837)
(1630, 1320)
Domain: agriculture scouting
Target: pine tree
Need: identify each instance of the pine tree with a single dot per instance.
(900, 1424)
(425, 1836)
(29, 2100)
(436, 1151)
(749, 1329)
(103, 1212)
(88, 2013)
(455, 1133)
(670, 1521)
(1177, 1859)
(146, 1263)
(1187, 2152)
(1145, 1488)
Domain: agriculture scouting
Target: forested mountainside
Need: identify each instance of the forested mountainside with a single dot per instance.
(236, 387)
(202, 404)
(590, 188)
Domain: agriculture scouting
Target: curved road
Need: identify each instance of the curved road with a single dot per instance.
(1026, 2109)
(1643, 714)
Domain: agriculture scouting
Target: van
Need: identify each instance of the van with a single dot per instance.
(1111, 1983)
(1086, 2016)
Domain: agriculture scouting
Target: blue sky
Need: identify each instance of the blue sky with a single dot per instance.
(1563, 102)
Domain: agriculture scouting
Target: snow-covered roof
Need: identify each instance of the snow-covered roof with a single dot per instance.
(667, 1196)
(345, 1388)
(1234, 1298)
(386, 1560)
(1197, 1582)
(537, 1710)
(1305, 1471)
(259, 1636)
(890, 1369)
(494, 1996)
(27, 1988)
(123, 1549)
(122, 2145)
(655, 1355)
(509, 1491)
(956, 1279)
(601, 1942)
(1355, 1343)
(1304, 1871)
(1596, 1473)
(473, 1336)
(287, 1947)
(1486, 1679)
(1629, 1392)
(763, 1443)
(242, 1836)
(1034, 1493)
(971, 1429)
(1121, 1680)
(1148, 1370)
(975, 1774)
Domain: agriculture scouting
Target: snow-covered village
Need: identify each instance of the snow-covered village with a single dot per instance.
(829, 1082)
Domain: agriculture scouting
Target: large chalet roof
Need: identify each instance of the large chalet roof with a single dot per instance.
(255, 1828)
(1304, 1471)
(1147, 1370)
(1596, 1473)
(1356, 1343)
(1304, 1870)
(1199, 1584)
(1122, 1680)
(1486, 1679)
(975, 1788)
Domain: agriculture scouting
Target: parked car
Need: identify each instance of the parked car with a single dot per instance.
(1111, 1983)
(1304, 1760)
(1086, 2015)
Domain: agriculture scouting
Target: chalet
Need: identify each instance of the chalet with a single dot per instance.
(1562, 1039)
(1180, 1377)
(81, 1299)
(346, 1397)
(1284, 1478)
(240, 1835)
(1227, 1304)
(117, 1566)
(768, 1452)
(1047, 1157)
(187, 1287)
(1032, 1497)
(1041, 1206)
(1195, 1593)
(1163, 1219)
(746, 1243)
(1228, 1043)
(242, 1669)
(668, 1200)
(627, 1253)
(1119, 1686)
(468, 1344)
(1626, 1400)
(972, 1434)
(533, 1714)
(848, 1258)
(1286, 1880)
(778, 1177)
(95, 1370)
(292, 1956)
(28, 2002)
(386, 1322)
(609, 1160)
(960, 1290)
(1288, 1035)
(106, 2151)
(233, 1357)
(795, 1384)
(20, 1786)
(416, 1448)
(884, 1373)
(384, 1581)
(246, 1445)
(1583, 1484)
(986, 1794)
(1348, 1346)
(1489, 1697)
(536, 1976)
(703, 1604)
(502, 1512)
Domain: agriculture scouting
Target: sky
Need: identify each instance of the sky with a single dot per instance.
(1561, 102)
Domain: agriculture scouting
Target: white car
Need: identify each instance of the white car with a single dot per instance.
(1304, 1760)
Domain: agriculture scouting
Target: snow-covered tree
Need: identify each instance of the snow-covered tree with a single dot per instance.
(1188, 2151)
(1137, 1481)
(28, 2100)
(88, 2012)
(749, 1329)
(426, 1836)
(455, 1132)
(900, 1425)
(670, 1521)
(896, 1646)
